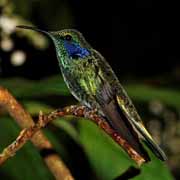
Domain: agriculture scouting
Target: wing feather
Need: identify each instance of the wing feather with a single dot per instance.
(121, 112)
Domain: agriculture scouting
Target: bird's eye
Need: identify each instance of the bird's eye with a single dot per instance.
(68, 37)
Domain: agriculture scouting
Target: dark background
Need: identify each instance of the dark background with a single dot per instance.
(139, 38)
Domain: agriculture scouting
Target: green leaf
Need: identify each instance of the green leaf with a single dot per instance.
(67, 127)
(107, 158)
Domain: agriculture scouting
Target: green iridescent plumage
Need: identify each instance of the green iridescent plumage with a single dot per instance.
(92, 81)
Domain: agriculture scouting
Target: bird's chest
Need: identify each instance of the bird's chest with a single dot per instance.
(86, 77)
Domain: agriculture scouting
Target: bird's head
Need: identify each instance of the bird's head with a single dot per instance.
(70, 44)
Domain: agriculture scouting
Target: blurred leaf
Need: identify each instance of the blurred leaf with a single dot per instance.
(107, 158)
(23, 88)
(56, 86)
(33, 107)
(27, 163)
(147, 93)
(68, 127)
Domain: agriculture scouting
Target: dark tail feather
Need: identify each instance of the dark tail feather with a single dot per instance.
(156, 150)
(121, 125)
(150, 143)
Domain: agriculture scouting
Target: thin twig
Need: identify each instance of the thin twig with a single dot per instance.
(24, 120)
(79, 111)
(82, 111)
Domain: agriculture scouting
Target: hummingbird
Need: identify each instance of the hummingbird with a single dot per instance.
(94, 84)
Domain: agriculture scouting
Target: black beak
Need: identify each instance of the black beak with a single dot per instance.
(34, 29)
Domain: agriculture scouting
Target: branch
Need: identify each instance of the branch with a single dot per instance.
(78, 111)
(24, 120)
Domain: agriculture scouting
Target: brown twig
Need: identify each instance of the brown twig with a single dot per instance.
(82, 111)
(23, 118)
(79, 111)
